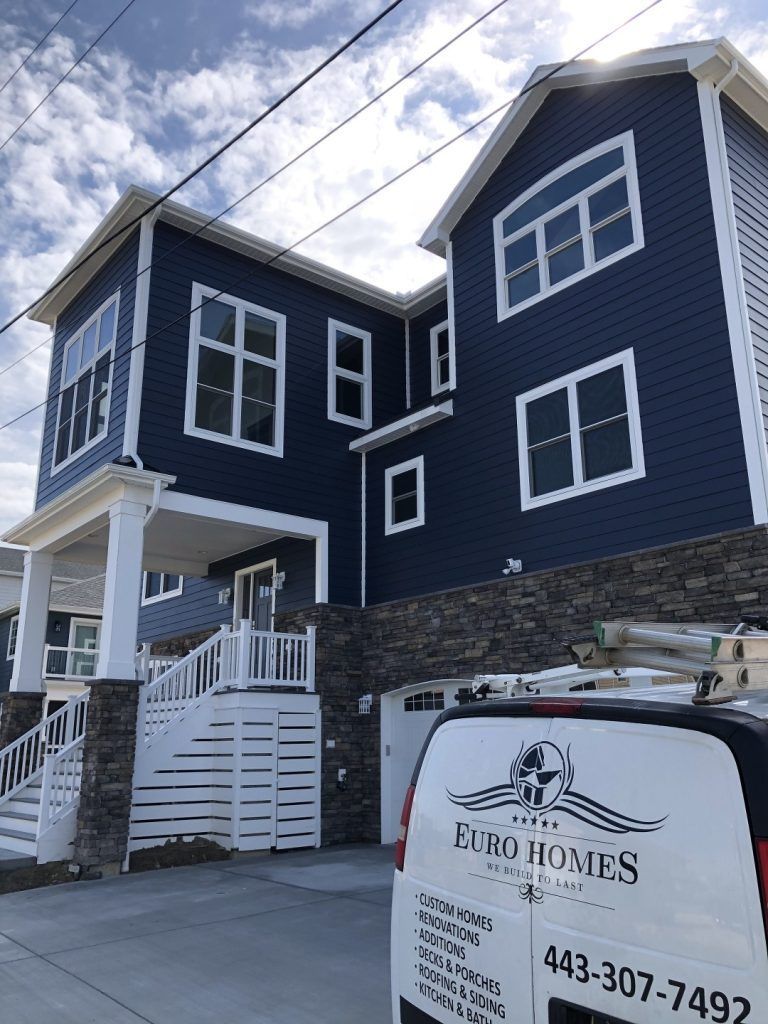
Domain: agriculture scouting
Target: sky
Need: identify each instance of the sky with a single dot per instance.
(174, 79)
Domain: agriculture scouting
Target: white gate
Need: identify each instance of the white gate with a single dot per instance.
(241, 768)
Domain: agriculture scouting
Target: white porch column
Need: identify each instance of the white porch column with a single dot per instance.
(27, 674)
(120, 621)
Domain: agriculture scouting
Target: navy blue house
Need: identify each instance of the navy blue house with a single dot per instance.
(584, 389)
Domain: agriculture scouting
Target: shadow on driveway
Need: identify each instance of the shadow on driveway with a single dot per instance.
(295, 938)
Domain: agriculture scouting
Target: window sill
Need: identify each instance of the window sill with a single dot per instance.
(614, 480)
(411, 524)
(71, 459)
(250, 446)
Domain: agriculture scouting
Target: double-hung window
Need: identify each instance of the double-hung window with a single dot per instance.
(404, 496)
(157, 586)
(236, 375)
(349, 375)
(85, 384)
(583, 217)
(13, 632)
(580, 433)
(441, 358)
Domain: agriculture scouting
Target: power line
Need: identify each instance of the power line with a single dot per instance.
(67, 73)
(37, 46)
(214, 156)
(349, 209)
(198, 231)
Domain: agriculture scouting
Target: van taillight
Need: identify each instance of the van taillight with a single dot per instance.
(761, 847)
(402, 838)
(566, 706)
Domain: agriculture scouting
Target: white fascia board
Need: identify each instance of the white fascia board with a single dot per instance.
(84, 501)
(402, 427)
(71, 609)
(135, 201)
(281, 523)
(749, 89)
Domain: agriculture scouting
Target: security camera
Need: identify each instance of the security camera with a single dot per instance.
(514, 565)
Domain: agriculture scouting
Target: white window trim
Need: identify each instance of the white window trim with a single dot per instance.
(58, 467)
(627, 141)
(271, 563)
(364, 378)
(75, 622)
(163, 596)
(393, 471)
(624, 359)
(450, 384)
(199, 293)
(8, 654)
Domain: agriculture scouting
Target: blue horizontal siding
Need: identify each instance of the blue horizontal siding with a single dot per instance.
(6, 666)
(665, 302)
(197, 608)
(747, 147)
(420, 357)
(318, 476)
(118, 273)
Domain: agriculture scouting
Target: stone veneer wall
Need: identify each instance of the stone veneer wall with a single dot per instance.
(508, 625)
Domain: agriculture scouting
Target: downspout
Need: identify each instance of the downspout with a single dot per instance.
(737, 313)
(138, 337)
(727, 77)
(362, 529)
(407, 363)
(155, 506)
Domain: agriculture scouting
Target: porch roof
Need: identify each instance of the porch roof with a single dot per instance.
(183, 533)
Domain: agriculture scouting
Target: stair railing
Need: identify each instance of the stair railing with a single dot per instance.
(23, 759)
(61, 783)
(201, 671)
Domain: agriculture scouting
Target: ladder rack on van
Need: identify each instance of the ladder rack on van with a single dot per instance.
(726, 660)
(566, 679)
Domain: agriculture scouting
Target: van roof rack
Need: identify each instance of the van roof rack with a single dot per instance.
(727, 660)
(565, 679)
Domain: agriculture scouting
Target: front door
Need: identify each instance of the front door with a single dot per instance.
(254, 597)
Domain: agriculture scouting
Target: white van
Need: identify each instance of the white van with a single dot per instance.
(586, 860)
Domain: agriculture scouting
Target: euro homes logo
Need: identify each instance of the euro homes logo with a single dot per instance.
(528, 848)
(541, 782)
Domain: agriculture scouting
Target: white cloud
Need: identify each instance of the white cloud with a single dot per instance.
(113, 123)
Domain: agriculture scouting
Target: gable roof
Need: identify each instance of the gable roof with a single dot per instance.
(85, 596)
(709, 60)
(12, 563)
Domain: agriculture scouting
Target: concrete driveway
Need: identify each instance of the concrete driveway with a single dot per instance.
(297, 938)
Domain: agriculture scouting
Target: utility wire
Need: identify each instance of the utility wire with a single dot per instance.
(265, 181)
(353, 206)
(210, 159)
(37, 46)
(67, 73)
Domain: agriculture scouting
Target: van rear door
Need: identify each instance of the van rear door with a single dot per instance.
(461, 926)
(646, 903)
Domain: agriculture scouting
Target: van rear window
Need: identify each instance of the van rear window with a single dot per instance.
(567, 1013)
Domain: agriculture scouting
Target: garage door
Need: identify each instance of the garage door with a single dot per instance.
(406, 718)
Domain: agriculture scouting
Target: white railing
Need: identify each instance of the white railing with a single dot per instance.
(249, 657)
(70, 662)
(61, 783)
(190, 678)
(21, 760)
(150, 667)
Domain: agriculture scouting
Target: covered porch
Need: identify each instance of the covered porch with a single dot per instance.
(129, 521)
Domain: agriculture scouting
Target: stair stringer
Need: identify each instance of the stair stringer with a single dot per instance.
(57, 841)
